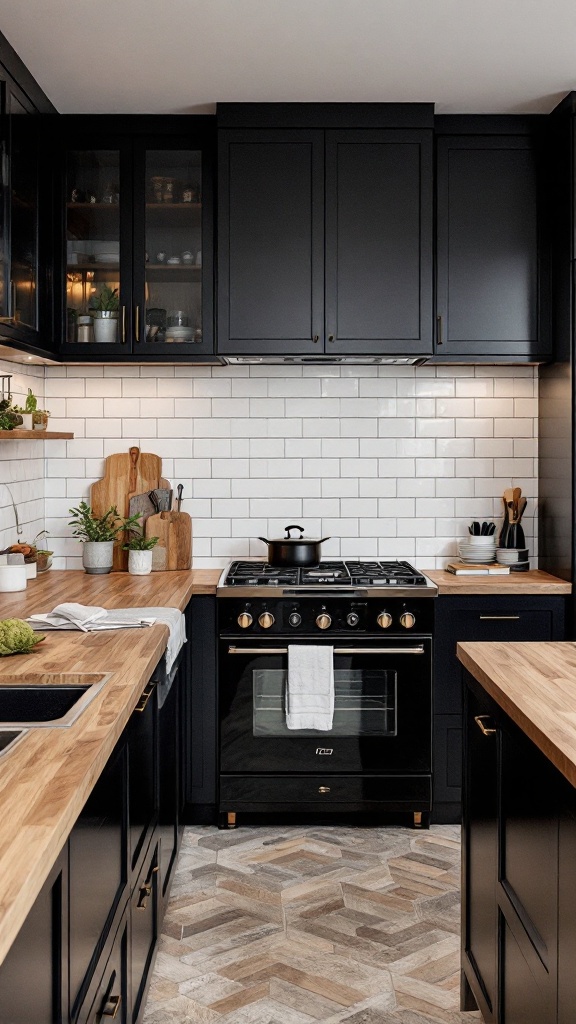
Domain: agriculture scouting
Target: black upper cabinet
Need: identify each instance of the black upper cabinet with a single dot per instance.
(134, 213)
(325, 241)
(491, 261)
(25, 313)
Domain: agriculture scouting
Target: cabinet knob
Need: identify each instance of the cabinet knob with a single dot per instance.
(143, 894)
(316, 338)
(384, 620)
(244, 620)
(330, 337)
(323, 621)
(407, 619)
(323, 789)
(266, 619)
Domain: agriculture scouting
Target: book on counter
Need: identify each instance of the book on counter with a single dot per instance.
(477, 569)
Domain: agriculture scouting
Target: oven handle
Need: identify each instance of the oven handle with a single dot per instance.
(316, 592)
(337, 650)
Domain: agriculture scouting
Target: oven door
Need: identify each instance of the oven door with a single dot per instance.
(382, 708)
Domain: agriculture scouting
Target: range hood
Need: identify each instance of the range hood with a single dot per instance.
(328, 360)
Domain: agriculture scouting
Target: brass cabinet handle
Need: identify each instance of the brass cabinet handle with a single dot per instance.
(323, 789)
(439, 340)
(508, 618)
(145, 697)
(111, 1006)
(316, 337)
(137, 323)
(337, 650)
(123, 331)
(484, 729)
(143, 894)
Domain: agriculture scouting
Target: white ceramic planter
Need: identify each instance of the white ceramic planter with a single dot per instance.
(106, 327)
(26, 420)
(97, 556)
(140, 562)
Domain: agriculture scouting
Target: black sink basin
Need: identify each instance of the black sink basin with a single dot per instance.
(47, 700)
(7, 737)
(38, 703)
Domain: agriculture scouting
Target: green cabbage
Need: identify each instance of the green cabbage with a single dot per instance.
(17, 636)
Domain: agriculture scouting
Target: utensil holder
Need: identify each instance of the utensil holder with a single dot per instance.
(511, 536)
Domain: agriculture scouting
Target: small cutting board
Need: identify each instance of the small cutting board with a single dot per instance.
(174, 547)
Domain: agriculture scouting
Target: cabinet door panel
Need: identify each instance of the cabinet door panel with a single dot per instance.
(480, 838)
(270, 279)
(487, 255)
(32, 977)
(98, 868)
(529, 843)
(108, 999)
(523, 999)
(379, 241)
(144, 924)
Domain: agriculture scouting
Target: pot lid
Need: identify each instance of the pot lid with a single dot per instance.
(288, 539)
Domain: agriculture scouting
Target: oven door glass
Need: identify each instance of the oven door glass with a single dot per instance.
(364, 703)
(382, 709)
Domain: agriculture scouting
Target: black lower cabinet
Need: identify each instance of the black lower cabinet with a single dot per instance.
(98, 871)
(34, 975)
(84, 953)
(200, 712)
(513, 868)
(144, 927)
(108, 996)
(472, 618)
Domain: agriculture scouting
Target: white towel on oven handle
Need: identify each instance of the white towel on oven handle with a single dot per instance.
(310, 687)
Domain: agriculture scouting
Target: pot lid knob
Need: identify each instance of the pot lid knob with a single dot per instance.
(288, 528)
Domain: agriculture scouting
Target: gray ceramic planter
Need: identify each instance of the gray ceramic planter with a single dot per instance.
(97, 556)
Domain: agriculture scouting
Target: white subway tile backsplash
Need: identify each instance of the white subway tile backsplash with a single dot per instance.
(389, 461)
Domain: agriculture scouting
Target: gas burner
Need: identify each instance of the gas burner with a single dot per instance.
(354, 573)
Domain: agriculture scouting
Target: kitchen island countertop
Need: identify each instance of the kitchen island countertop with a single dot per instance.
(47, 776)
(535, 684)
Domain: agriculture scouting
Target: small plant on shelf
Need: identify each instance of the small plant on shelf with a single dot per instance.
(104, 310)
(138, 542)
(139, 550)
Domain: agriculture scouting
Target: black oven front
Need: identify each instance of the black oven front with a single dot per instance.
(380, 740)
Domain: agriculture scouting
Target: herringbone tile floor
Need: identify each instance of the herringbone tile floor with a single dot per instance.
(303, 925)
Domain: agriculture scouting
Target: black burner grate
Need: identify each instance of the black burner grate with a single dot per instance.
(337, 573)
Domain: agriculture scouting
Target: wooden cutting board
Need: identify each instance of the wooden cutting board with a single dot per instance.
(174, 547)
(125, 475)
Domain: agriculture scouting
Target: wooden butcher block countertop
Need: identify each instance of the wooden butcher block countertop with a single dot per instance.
(47, 776)
(535, 684)
(533, 582)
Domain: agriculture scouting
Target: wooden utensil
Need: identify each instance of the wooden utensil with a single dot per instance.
(126, 475)
(174, 532)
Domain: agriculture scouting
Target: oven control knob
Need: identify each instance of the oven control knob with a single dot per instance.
(244, 620)
(266, 620)
(384, 620)
(323, 620)
(353, 619)
(407, 619)
(294, 618)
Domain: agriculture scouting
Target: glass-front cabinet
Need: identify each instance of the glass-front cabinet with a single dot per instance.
(138, 281)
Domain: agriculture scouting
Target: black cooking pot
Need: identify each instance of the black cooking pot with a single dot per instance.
(293, 551)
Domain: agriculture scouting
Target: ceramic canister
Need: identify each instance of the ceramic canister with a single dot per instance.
(12, 577)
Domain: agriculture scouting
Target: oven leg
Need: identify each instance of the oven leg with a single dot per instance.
(421, 819)
(227, 820)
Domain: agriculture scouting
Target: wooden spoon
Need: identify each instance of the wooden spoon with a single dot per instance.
(516, 493)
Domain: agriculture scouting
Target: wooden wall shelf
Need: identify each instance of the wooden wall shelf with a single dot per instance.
(34, 435)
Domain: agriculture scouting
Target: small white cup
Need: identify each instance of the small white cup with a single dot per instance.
(12, 577)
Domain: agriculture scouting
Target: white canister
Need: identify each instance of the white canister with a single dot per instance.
(12, 577)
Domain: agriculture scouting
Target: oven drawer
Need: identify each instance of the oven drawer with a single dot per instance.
(349, 793)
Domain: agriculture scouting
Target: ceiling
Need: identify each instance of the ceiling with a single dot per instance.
(183, 56)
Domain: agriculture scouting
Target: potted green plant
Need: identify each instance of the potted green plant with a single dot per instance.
(104, 310)
(27, 410)
(139, 550)
(98, 534)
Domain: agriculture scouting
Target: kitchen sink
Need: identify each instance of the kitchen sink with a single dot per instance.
(8, 737)
(47, 700)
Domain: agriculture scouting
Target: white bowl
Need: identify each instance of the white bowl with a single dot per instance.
(479, 541)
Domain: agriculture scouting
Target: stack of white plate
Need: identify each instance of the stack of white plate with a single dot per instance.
(477, 549)
(178, 334)
(516, 558)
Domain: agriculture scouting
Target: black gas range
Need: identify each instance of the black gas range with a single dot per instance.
(377, 619)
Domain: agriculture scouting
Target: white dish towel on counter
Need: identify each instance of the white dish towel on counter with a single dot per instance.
(310, 688)
(90, 618)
